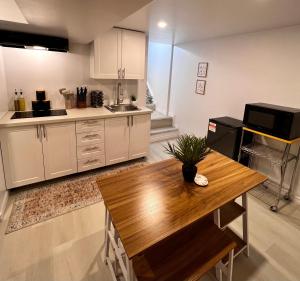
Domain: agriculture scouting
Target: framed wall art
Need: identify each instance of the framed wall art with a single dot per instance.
(202, 69)
(200, 87)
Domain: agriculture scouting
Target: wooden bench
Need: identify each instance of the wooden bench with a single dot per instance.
(187, 255)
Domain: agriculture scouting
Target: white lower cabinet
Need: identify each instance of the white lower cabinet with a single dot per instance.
(41, 152)
(22, 152)
(116, 139)
(59, 149)
(34, 153)
(126, 138)
(139, 136)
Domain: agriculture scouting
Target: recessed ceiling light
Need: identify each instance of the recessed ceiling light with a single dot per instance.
(161, 24)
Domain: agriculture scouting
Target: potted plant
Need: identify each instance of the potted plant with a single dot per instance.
(133, 100)
(190, 150)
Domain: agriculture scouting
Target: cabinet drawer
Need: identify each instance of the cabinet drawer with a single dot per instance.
(95, 161)
(90, 138)
(90, 150)
(90, 125)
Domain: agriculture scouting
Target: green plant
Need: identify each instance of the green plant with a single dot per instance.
(189, 149)
(133, 98)
(149, 98)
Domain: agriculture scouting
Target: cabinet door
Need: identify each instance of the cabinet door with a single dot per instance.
(59, 147)
(105, 56)
(22, 156)
(133, 54)
(116, 139)
(139, 136)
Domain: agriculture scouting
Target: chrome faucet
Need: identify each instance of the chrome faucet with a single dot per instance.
(120, 97)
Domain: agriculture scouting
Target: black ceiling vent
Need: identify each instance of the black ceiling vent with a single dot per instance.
(33, 41)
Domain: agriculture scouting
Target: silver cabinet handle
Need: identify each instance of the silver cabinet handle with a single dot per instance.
(91, 161)
(91, 148)
(45, 132)
(37, 131)
(91, 136)
(123, 73)
(119, 73)
(131, 120)
(127, 121)
(89, 122)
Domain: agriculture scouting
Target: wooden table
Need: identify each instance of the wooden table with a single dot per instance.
(148, 204)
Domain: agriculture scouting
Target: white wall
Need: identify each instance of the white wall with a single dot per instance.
(256, 67)
(3, 109)
(32, 69)
(159, 58)
(3, 90)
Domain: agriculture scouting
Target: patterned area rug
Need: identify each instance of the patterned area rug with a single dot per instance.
(48, 200)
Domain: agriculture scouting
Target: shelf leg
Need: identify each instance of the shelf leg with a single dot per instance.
(241, 144)
(293, 175)
(245, 222)
(285, 157)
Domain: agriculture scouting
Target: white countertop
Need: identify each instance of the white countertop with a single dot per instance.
(72, 115)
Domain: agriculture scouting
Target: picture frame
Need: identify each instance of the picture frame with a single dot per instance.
(202, 69)
(200, 87)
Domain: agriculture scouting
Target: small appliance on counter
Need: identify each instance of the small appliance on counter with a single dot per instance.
(81, 97)
(224, 135)
(279, 121)
(96, 99)
(41, 104)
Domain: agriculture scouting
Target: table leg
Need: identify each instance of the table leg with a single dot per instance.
(245, 222)
(107, 228)
(217, 218)
(130, 272)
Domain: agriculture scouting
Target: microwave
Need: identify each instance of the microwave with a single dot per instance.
(279, 121)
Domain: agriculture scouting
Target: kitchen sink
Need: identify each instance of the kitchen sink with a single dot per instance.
(122, 107)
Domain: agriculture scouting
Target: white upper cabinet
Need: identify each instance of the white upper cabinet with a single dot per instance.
(59, 148)
(133, 55)
(118, 54)
(139, 136)
(104, 58)
(22, 154)
(116, 139)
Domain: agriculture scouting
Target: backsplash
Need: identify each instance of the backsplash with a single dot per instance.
(30, 70)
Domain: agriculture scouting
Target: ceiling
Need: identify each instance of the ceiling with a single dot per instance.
(191, 20)
(10, 11)
(187, 20)
(79, 20)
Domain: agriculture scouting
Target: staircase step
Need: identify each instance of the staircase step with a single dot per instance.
(161, 122)
(160, 134)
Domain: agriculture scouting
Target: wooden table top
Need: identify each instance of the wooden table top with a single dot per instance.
(150, 203)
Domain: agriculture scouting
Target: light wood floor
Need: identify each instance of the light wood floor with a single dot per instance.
(69, 247)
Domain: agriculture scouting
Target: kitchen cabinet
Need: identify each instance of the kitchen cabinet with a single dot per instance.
(133, 55)
(118, 54)
(22, 153)
(59, 149)
(104, 57)
(116, 139)
(126, 138)
(34, 153)
(139, 136)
